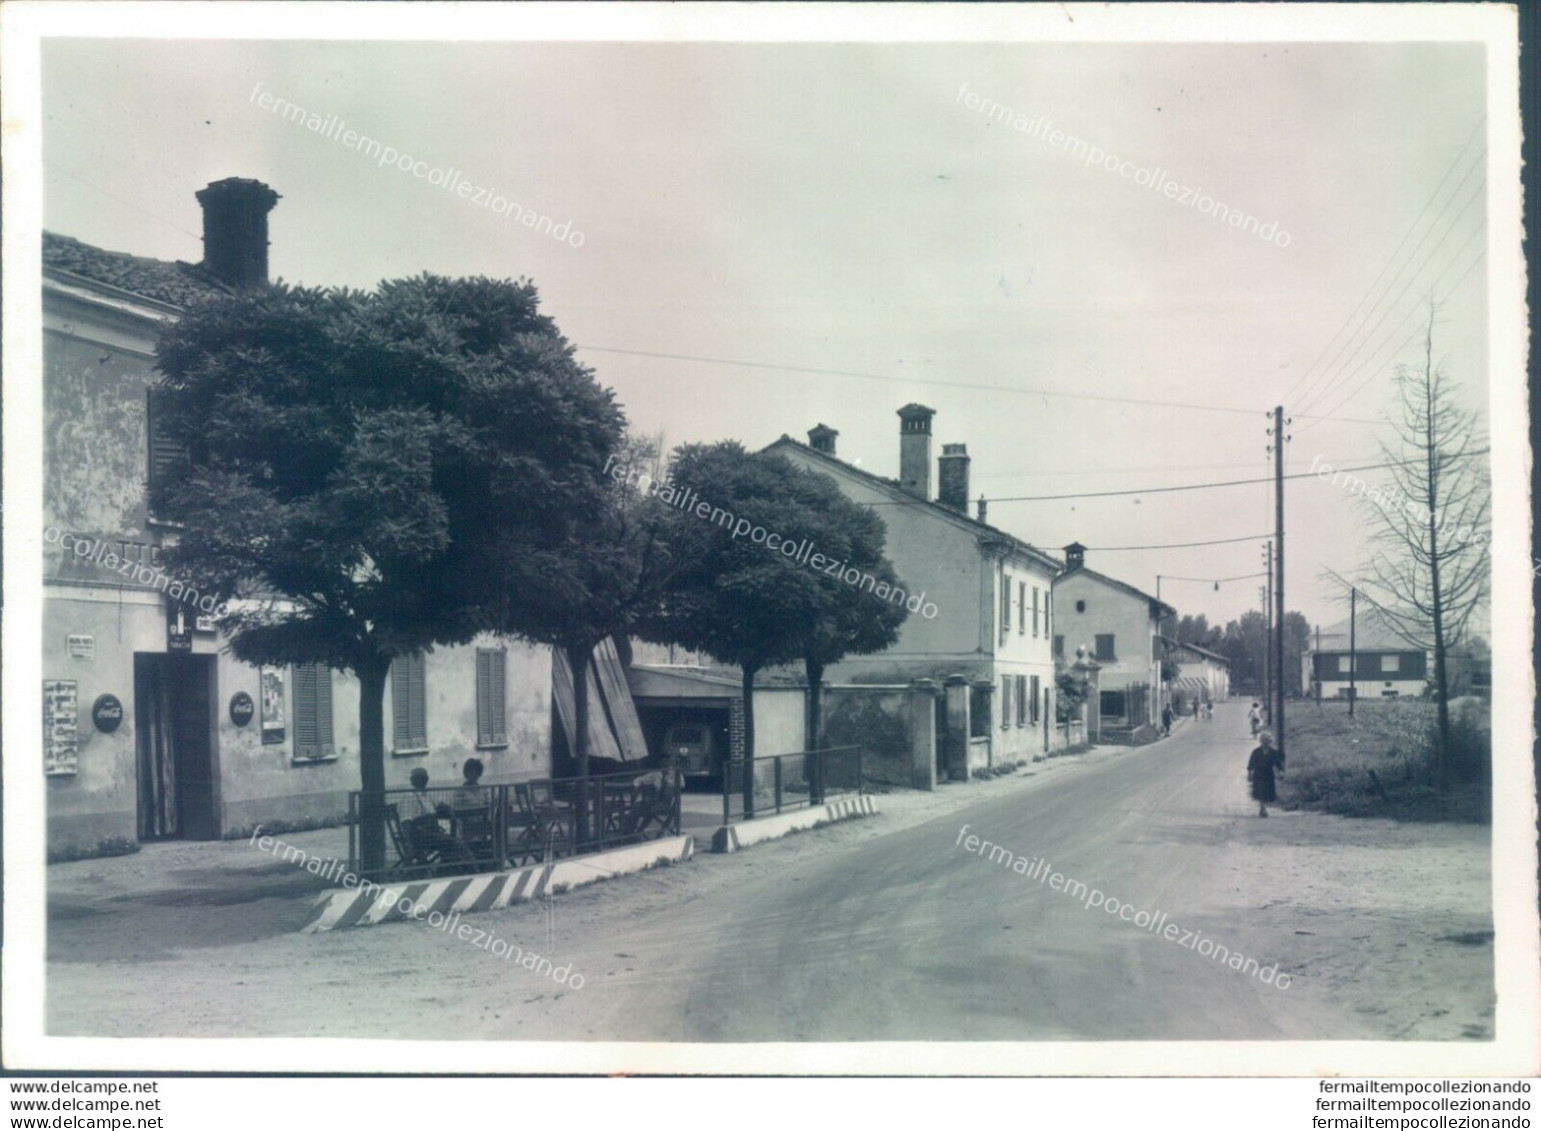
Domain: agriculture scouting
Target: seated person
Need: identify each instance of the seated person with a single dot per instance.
(419, 817)
(470, 795)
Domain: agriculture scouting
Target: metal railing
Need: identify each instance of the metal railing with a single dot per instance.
(444, 831)
(790, 781)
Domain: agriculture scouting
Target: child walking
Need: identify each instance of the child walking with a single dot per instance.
(1260, 770)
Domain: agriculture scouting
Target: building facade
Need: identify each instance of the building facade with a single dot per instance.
(152, 730)
(981, 620)
(1201, 674)
(1120, 628)
(1377, 662)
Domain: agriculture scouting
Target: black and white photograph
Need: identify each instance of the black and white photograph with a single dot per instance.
(768, 540)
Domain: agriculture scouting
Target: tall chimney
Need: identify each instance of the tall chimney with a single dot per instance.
(1075, 556)
(915, 449)
(235, 230)
(821, 438)
(952, 477)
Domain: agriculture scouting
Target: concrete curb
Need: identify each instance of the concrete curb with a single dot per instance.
(349, 907)
(730, 838)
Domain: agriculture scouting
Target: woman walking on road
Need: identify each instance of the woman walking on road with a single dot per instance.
(1260, 770)
(1255, 717)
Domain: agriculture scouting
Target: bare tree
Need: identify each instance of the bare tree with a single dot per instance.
(1428, 572)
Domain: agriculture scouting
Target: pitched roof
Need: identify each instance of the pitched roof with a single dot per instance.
(1371, 634)
(1117, 584)
(892, 487)
(174, 284)
(1195, 648)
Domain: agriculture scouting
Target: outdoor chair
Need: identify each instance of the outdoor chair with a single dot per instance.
(415, 854)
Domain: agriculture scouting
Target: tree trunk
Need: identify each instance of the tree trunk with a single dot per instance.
(371, 711)
(1441, 683)
(748, 687)
(814, 738)
(578, 657)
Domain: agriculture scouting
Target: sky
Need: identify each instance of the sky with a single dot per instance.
(842, 207)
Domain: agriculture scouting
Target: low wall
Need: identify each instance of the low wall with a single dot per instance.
(384, 903)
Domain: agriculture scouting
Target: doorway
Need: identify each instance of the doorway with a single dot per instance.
(174, 699)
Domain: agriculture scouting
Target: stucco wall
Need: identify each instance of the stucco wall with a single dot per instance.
(1110, 610)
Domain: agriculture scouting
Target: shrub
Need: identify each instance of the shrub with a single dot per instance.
(107, 846)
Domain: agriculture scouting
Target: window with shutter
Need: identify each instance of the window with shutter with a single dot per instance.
(1006, 682)
(313, 712)
(1021, 700)
(1005, 605)
(1035, 610)
(165, 453)
(1105, 646)
(408, 705)
(491, 692)
(1021, 607)
(1035, 700)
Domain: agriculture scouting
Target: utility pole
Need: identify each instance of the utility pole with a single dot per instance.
(1316, 666)
(1268, 672)
(1280, 679)
(1353, 658)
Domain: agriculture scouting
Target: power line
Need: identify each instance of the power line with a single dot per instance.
(930, 381)
(1214, 580)
(1326, 389)
(129, 203)
(1405, 237)
(1369, 377)
(1164, 490)
(1184, 546)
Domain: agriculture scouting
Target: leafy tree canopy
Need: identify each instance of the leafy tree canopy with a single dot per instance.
(394, 465)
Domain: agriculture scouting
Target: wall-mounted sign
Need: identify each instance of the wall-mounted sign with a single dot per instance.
(61, 709)
(82, 647)
(272, 706)
(241, 708)
(179, 628)
(107, 713)
(203, 624)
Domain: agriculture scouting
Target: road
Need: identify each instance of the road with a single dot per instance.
(881, 929)
(911, 937)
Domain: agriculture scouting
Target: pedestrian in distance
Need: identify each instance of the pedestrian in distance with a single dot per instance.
(1255, 717)
(1166, 719)
(1265, 760)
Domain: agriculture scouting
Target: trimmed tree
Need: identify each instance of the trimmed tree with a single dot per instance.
(376, 473)
(744, 601)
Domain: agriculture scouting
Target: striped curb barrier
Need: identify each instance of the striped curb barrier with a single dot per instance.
(342, 908)
(731, 838)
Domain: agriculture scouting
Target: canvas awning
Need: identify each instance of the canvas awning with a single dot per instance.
(615, 731)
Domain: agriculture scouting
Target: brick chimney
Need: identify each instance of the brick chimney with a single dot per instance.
(821, 438)
(235, 230)
(952, 477)
(915, 449)
(1075, 556)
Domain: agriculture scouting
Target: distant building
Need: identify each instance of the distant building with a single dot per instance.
(1200, 673)
(151, 731)
(1120, 627)
(1383, 664)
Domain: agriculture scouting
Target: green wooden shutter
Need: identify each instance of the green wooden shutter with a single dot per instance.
(499, 701)
(325, 743)
(483, 697)
(306, 744)
(409, 725)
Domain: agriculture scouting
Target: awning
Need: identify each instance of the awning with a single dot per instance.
(615, 732)
(1191, 683)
